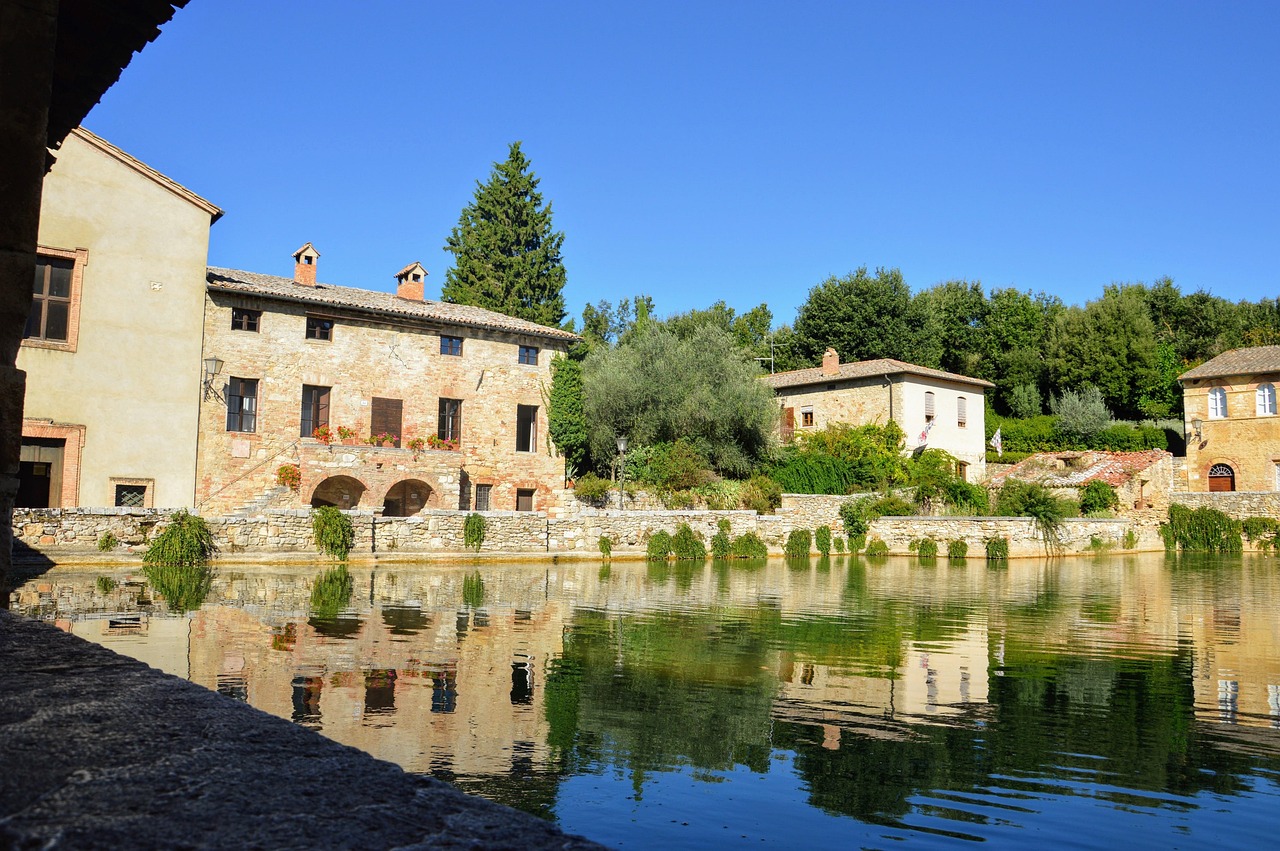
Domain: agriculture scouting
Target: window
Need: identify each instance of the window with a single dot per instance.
(449, 420)
(1221, 478)
(529, 355)
(319, 328)
(928, 406)
(482, 497)
(1217, 403)
(806, 417)
(524, 499)
(962, 412)
(315, 409)
(962, 471)
(451, 346)
(51, 318)
(243, 319)
(1266, 398)
(131, 496)
(526, 428)
(242, 404)
(385, 417)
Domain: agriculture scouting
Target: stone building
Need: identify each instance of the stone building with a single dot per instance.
(112, 343)
(1233, 432)
(948, 410)
(458, 391)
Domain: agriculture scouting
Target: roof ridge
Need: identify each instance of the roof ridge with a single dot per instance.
(214, 211)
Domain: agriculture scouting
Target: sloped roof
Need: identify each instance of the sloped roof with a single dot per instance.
(865, 369)
(1238, 362)
(1076, 469)
(377, 303)
(145, 170)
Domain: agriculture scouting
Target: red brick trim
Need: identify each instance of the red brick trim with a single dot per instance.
(81, 258)
(149, 495)
(74, 437)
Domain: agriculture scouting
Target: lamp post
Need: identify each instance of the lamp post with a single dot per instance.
(622, 468)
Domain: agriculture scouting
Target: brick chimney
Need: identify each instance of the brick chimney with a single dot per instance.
(304, 265)
(410, 281)
(830, 362)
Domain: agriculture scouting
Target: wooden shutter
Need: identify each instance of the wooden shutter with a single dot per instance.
(386, 416)
(928, 405)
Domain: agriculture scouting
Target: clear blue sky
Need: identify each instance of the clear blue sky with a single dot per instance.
(741, 151)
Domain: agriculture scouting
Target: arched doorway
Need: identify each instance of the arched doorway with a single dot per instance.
(338, 491)
(406, 498)
(1221, 478)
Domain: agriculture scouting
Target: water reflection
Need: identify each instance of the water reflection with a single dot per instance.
(873, 700)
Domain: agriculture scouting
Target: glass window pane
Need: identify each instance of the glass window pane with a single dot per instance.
(60, 279)
(38, 288)
(34, 319)
(55, 324)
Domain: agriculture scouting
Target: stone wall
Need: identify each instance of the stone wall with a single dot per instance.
(1077, 533)
(1237, 504)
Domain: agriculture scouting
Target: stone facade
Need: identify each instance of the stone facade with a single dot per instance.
(1241, 436)
(1239, 505)
(369, 359)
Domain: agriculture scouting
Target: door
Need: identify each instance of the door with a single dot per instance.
(1221, 479)
(385, 417)
(40, 473)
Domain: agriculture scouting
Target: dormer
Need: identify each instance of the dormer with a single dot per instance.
(410, 282)
(304, 265)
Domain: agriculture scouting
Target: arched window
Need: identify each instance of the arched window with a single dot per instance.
(1221, 478)
(1217, 403)
(962, 412)
(1266, 398)
(928, 406)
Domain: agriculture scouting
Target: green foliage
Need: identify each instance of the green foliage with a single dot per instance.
(657, 388)
(799, 543)
(1098, 496)
(593, 490)
(1098, 544)
(1024, 499)
(333, 531)
(606, 546)
(926, 549)
(722, 495)
(332, 592)
(854, 516)
(473, 590)
(1203, 530)
(1130, 540)
(106, 585)
(838, 542)
(677, 500)
(1080, 414)
(863, 318)
(720, 544)
(761, 494)
(678, 466)
(659, 547)
(506, 254)
(892, 506)
(933, 475)
(997, 549)
(957, 550)
(687, 545)
(186, 541)
(1024, 401)
(184, 587)
(473, 529)
(1263, 532)
(822, 539)
(748, 545)
(842, 459)
(877, 548)
(107, 542)
(566, 420)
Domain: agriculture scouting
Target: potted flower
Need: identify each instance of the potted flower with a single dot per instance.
(445, 443)
(348, 436)
(289, 476)
(416, 444)
(323, 434)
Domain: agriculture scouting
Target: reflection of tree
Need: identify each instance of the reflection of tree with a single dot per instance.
(183, 586)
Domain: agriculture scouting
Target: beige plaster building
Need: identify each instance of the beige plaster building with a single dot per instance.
(458, 391)
(1233, 431)
(112, 346)
(951, 407)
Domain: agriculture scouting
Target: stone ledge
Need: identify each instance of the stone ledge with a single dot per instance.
(101, 751)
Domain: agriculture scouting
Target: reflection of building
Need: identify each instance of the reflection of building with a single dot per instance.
(1233, 431)
(112, 348)
(948, 409)
(299, 356)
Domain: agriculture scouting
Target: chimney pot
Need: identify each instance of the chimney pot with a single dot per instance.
(830, 362)
(410, 282)
(304, 265)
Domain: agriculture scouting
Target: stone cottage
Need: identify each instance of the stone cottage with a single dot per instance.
(937, 409)
(1233, 432)
(446, 402)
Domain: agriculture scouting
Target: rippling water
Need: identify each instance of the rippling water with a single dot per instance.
(1082, 702)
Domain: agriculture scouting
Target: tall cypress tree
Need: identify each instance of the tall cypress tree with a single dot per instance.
(506, 255)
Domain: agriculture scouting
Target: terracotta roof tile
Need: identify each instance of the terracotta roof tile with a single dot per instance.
(1238, 362)
(1114, 468)
(383, 303)
(865, 369)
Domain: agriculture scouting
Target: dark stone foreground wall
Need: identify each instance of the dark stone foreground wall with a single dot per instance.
(100, 751)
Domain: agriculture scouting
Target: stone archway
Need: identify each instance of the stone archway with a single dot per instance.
(407, 497)
(339, 491)
(1222, 478)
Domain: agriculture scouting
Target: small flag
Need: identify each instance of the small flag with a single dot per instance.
(997, 444)
(924, 435)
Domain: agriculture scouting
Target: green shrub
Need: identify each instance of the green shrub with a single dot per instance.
(1098, 496)
(659, 546)
(1098, 544)
(853, 515)
(332, 592)
(1081, 414)
(799, 543)
(822, 540)
(761, 494)
(593, 490)
(1023, 499)
(473, 529)
(687, 545)
(333, 531)
(721, 495)
(606, 546)
(957, 550)
(748, 545)
(927, 549)
(1130, 540)
(1261, 531)
(186, 541)
(678, 466)
(877, 549)
(997, 549)
(1204, 530)
(677, 500)
(857, 542)
(720, 545)
(107, 542)
(838, 542)
(892, 506)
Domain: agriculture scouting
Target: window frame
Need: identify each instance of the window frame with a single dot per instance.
(484, 494)
(527, 431)
(449, 422)
(450, 346)
(242, 317)
(319, 406)
(148, 490)
(930, 406)
(528, 356)
(79, 258)
(1217, 403)
(806, 417)
(316, 332)
(962, 412)
(242, 412)
(1265, 400)
(528, 494)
